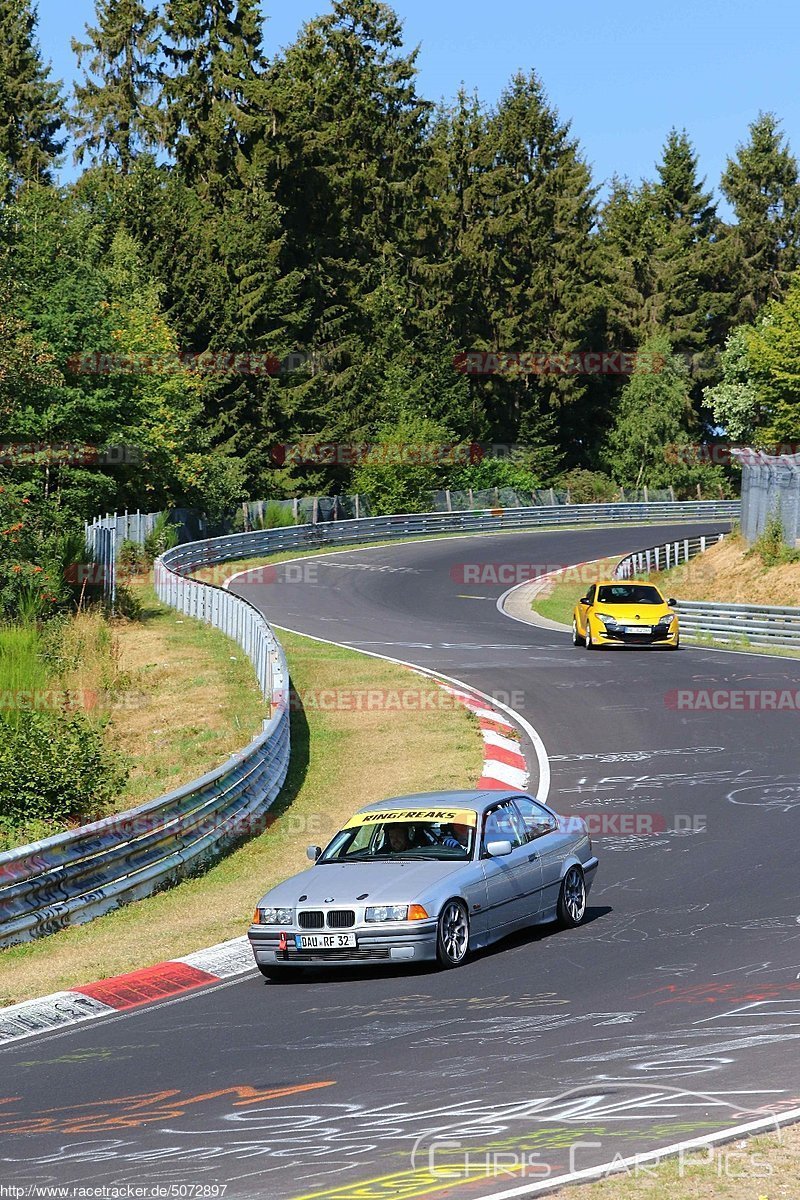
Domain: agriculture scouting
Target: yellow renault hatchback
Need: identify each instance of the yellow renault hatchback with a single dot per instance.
(625, 613)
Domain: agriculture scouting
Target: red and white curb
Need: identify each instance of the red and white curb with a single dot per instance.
(504, 763)
(124, 992)
(504, 766)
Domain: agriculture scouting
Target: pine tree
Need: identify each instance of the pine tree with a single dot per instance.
(113, 120)
(31, 109)
(535, 250)
(688, 303)
(349, 135)
(215, 64)
(665, 260)
(763, 187)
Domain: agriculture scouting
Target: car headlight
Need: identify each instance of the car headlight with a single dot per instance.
(606, 618)
(667, 620)
(273, 916)
(387, 912)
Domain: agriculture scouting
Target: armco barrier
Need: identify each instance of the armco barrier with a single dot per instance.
(303, 537)
(760, 624)
(76, 876)
(664, 557)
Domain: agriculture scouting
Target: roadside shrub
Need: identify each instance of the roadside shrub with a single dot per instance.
(131, 559)
(163, 536)
(55, 769)
(276, 516)
(588, 487)
(771, 547)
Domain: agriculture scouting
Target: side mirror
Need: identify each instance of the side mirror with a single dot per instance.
(313, 852)
(584, 600)
(672, 603)
(498, 849)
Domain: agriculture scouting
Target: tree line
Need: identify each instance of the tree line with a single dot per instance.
(272, 248)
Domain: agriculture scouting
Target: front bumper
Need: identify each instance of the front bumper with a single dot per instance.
(658, 637)
(389, 944)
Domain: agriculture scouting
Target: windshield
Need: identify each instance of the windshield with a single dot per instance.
(628, 593)
(387, 838)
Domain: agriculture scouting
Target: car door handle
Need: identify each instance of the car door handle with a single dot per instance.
(533, 857)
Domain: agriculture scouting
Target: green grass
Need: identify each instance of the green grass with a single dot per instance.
(342, 759)
(559, 603)
(23, 669)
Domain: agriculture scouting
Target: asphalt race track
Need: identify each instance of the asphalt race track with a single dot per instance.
(673, 1012)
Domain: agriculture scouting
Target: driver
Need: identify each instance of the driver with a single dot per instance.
(457, 838)
(397, 837)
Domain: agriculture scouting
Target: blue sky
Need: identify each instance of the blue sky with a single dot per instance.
(623, 72)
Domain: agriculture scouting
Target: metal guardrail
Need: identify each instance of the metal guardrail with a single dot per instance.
(76, 876)
(664, 557)
(303, 537)
(760, 624)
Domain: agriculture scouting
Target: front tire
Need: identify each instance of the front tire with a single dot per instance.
(452, 935)
(590, 645)
(572, 899)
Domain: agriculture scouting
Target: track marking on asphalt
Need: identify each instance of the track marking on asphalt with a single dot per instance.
(402, 1185)
(543, 790)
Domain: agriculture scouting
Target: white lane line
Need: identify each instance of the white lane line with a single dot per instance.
(619, 1165)
(543, 789)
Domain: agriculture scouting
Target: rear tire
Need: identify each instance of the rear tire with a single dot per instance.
(452, 935)
(572, 899)
(577, 640)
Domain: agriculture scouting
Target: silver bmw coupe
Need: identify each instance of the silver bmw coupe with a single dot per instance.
(428, 877)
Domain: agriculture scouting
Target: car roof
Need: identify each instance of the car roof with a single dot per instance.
(470, 800)
(626, 583)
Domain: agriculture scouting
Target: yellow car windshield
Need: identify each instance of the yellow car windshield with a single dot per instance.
(628, 593)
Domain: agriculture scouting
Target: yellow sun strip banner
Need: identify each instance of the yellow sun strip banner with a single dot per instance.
(406, 816)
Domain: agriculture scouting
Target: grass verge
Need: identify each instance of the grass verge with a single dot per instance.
(762, 1168)
(561, 597)
(342, 759)
(188, 698)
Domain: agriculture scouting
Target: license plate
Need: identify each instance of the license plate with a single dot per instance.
(639, 629)
(324, 941)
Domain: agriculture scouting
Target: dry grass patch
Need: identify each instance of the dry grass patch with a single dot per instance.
(727, 574)
(187, 698)
(763, 1168)
(342, 759)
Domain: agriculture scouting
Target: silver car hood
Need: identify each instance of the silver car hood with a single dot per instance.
(364, 882)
